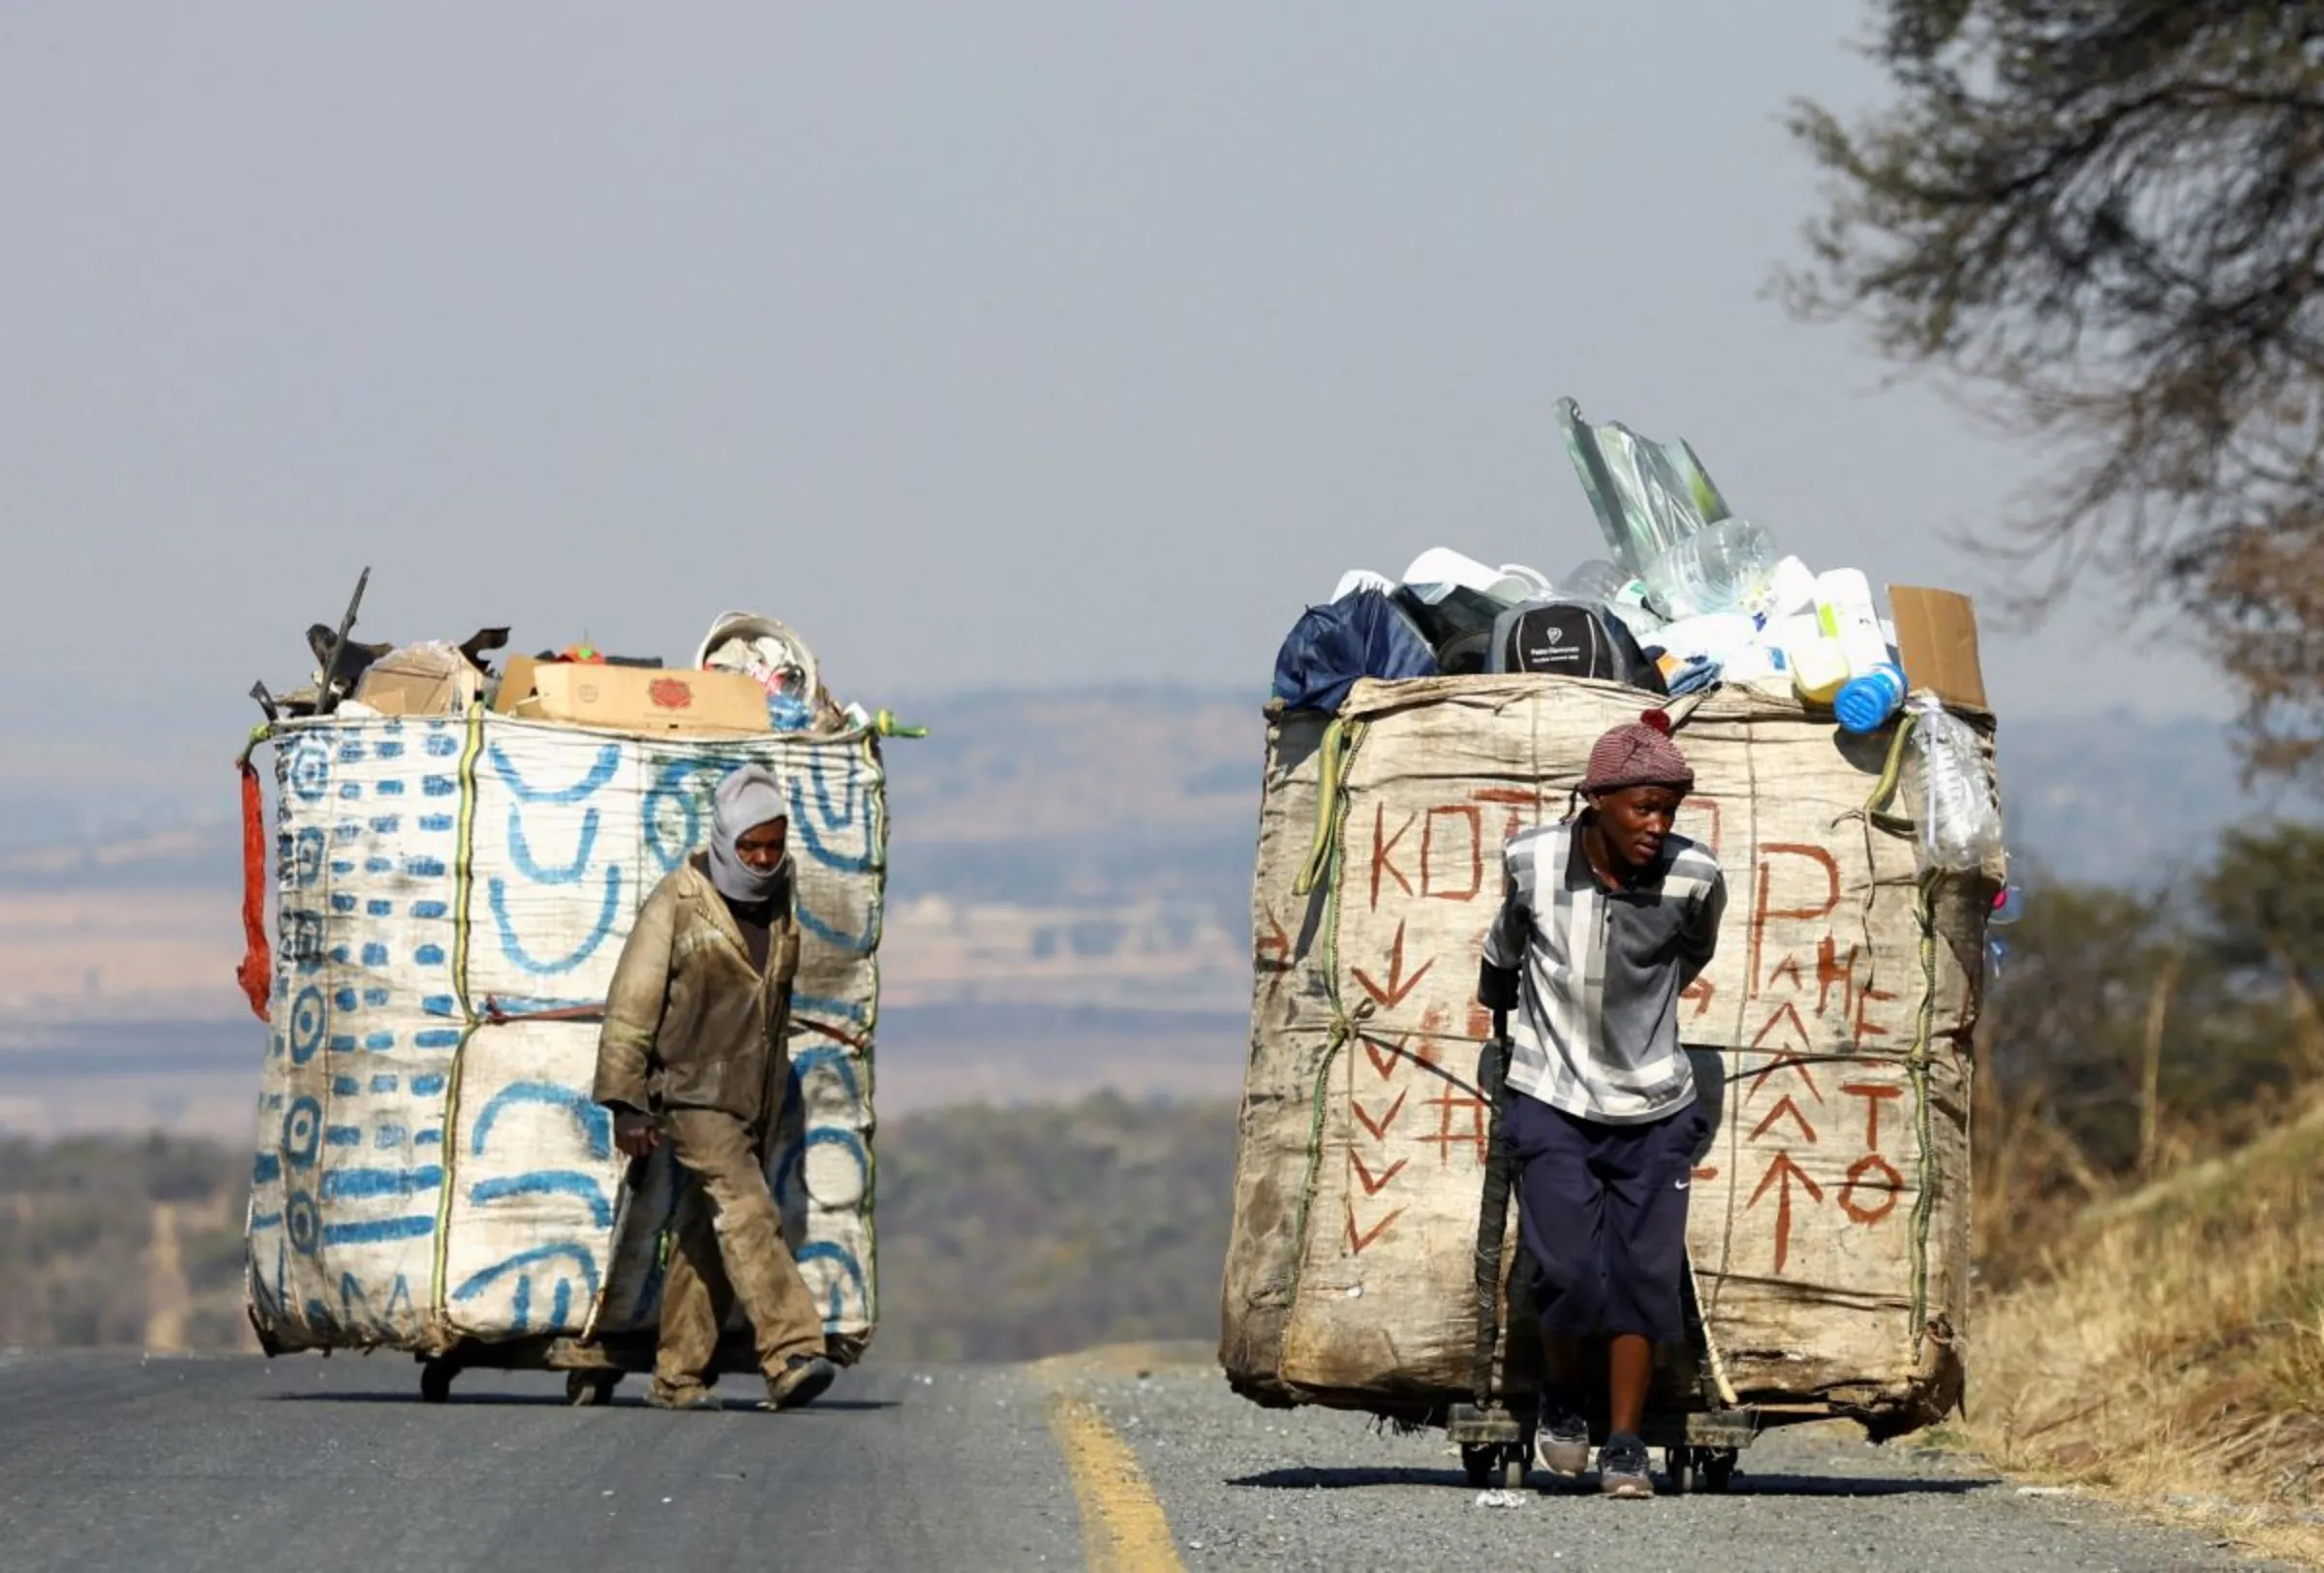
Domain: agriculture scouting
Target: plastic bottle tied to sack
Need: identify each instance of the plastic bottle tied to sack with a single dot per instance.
(1865, 703)
(1719, 568)
(1960, 824)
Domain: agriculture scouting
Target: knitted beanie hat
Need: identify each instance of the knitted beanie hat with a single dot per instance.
(1639, 753)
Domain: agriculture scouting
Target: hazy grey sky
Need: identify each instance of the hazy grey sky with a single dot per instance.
(986, 344)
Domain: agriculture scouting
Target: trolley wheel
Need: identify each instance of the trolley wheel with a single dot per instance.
(436, 1380)
(1716, 1465)
(1480, 1462)
(1678, 1463)
(1512, 1469)
(591, 1389)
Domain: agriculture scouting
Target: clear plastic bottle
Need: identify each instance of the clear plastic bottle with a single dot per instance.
(1721, 568)
(1960, 822)
(1594, 580)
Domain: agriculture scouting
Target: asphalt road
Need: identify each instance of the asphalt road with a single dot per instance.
(303, 1463)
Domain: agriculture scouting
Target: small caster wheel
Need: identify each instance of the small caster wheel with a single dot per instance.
(436, 1380)
(1480, 1462)
(1512, 1470)
(1717, 1469)
(591, 1389)
(1678, 1463)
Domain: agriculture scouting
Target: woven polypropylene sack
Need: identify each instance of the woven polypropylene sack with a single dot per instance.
(426, 1172)
(1829, 1220)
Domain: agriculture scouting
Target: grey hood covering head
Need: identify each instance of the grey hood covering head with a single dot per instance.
(745, 800)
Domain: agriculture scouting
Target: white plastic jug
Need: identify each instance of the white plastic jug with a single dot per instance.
(1846, 611)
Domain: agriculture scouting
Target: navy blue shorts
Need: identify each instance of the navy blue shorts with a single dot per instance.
(1602, 1212)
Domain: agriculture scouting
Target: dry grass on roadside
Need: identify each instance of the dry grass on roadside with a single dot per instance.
(2173, 1354)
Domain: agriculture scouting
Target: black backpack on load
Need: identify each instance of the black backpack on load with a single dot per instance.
(1572, 639)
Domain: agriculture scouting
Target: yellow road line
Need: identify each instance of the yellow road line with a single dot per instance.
(1123, 1528)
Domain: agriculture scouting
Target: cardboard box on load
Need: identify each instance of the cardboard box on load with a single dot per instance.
(420, 680)
(632, 698)
(1937, 638)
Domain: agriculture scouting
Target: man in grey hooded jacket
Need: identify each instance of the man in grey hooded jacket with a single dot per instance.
(694, 1051)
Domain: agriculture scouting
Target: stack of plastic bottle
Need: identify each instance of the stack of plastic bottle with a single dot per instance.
(1701, 584)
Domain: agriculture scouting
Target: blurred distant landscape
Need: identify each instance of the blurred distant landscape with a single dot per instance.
(1069, 893)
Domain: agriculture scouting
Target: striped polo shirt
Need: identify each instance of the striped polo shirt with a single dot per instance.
(1596, 1032)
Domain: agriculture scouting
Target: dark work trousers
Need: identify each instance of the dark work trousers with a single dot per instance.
(1602, 1211)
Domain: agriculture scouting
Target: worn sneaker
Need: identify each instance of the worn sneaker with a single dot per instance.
(690, 1396)
(1622, 1467)
(801, 1380)
(1562, 1445)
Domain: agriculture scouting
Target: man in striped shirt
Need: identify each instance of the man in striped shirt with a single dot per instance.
(1607, 917)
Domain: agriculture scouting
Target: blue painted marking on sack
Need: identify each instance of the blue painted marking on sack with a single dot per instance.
(302, 1132)
(836, 1059)
(343, 1136)
(434, 823)
(308, 1022)
(418, 1227)
(546, 1183)
(816, 1004)
(608, 763)
(513, 949)
(391, 789)
(306, 857)
(374, 954)
(437, 1039)
(428, 1084)
(387, 824)
(854, 945)
(430, 909)
(355, 1184)
(308, 769)
(375, 999)
(524, 1263)
(345, 1086)
(429, 955)
(520, 852)
(826, 1250)
(379, 907)
(595, 1123)
(383, 1084)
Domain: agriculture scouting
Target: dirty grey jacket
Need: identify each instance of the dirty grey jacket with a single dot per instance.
(690, 1021)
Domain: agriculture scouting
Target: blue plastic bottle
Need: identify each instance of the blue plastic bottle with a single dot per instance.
(1865, 703)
